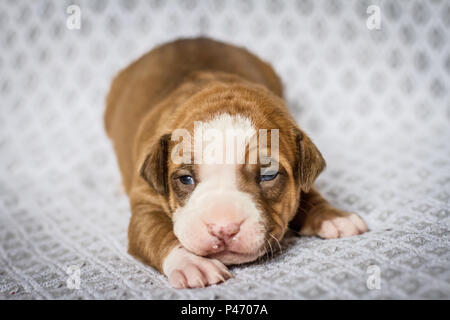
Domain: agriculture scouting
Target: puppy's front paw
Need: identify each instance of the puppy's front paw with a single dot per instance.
(331, 223)
(187, 270)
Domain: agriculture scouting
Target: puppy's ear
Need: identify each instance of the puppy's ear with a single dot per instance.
(310, 162)
(154, 168)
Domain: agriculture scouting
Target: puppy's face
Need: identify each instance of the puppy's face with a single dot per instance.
(235, 207)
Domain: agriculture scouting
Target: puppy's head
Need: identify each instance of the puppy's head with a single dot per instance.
(232, 174)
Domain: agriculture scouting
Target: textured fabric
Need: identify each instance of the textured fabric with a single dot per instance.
(376, 103)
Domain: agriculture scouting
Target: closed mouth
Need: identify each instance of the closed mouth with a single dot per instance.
(242, 257)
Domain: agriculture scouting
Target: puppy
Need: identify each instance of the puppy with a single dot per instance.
(197, 204)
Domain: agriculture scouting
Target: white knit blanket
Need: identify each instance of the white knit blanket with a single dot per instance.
(376, 102)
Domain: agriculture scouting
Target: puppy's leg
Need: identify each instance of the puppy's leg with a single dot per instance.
(316, 217)
(151, 239)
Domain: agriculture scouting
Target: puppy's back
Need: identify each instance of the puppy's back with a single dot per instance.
(153, 76)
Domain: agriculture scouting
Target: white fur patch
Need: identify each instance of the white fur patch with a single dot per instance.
(225, 121)
(223, 139)
(217, 188)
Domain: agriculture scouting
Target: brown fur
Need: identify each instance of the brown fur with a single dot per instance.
(171, 87)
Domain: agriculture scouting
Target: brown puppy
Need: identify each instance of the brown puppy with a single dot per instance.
(198, 205)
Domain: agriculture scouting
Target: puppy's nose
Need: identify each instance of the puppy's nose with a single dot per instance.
(224, 230)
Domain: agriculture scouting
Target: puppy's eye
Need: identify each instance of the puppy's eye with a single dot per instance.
(187, 179)
(268, 177)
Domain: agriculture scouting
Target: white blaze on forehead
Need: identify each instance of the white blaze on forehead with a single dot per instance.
(217, 182)
(233, 130)
(223, 140)
(217, 188)
(226, 121)
(222, 175)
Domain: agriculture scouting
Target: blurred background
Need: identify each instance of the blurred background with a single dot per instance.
(373, 97)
